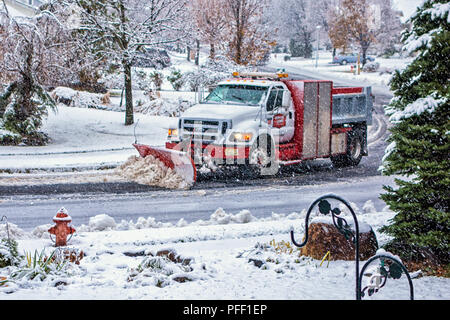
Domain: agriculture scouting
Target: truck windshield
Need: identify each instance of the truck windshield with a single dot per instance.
(234, 93)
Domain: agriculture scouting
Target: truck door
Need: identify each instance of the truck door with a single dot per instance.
(280, 114)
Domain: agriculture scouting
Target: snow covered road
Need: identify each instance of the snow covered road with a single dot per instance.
(29, 211)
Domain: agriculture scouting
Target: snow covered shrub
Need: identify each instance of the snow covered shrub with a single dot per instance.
(164, 107)
(157, 79)
(176, 79)
(277, 256)
(9, 255)
(142, 80)
(113, 80)
(371, 67)
(211, 72)
(203, 78)
(8, 137)
(23, 106)
(80, 99)
(162, 269)
(39, 266)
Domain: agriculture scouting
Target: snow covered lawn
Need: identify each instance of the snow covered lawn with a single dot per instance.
(82, 136)
(120, 262)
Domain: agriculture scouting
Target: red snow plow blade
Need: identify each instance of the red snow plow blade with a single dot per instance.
(176, 160)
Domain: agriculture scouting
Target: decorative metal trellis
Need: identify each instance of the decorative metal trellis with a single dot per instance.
(5, 218)
(377, 280)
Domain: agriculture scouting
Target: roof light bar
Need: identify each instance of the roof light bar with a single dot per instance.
(260, 75)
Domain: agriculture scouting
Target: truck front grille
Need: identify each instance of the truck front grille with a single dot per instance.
(204, 131)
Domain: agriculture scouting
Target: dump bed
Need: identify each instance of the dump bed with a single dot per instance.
(352, 105)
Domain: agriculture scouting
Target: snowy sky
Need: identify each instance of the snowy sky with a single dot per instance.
(407, 6)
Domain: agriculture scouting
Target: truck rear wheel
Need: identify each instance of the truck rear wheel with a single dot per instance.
(354, 152)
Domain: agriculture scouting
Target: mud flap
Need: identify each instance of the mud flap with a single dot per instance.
(179, 161)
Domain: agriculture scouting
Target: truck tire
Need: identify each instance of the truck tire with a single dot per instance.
(344, 62)
(354, 152)
(262, 157)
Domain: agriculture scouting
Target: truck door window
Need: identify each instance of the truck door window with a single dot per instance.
(275, 99)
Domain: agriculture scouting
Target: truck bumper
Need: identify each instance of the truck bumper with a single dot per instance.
(221, 154)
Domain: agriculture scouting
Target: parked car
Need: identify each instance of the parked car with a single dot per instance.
(349, 58)
(152, 58)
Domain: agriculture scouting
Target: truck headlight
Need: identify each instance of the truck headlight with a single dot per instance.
(172, 133)
(241, 137)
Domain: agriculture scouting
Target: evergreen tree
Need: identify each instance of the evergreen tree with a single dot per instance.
(299, 48)
(419, 143)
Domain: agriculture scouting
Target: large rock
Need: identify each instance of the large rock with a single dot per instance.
(323, 236)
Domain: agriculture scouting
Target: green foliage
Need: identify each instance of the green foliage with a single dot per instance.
(23, 106)
(301, 47)
(420, 143)
(39, 266)
(157, 79)
(176, 80)
(9, 255)
(9, 138)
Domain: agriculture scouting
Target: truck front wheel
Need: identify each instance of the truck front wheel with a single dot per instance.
(262, 157)
(354, 152)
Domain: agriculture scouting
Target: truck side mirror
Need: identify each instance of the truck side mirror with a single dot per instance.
(286, 99)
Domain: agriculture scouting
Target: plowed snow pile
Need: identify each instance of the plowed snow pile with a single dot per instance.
(151, 171)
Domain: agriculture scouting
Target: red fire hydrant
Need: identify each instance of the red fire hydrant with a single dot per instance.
(61, 229)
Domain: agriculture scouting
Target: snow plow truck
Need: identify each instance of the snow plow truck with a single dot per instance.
(265, 120)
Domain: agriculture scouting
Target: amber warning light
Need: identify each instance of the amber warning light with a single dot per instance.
(260, 75)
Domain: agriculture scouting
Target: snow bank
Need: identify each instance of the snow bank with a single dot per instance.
(102, 222)
(369, 207)
(80, 99)
(221, 217)
(150, 171)
(14, 231)
(163, 107)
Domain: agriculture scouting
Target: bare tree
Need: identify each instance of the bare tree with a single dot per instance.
(210, 18)
(120, 30)
(297, 20)
(338, 29)
(389, 37)
(356, 20)
(250, 39)
(359, 15)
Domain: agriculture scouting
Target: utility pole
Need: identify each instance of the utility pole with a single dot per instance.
(317, 51)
